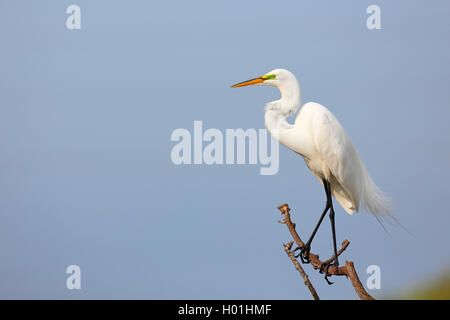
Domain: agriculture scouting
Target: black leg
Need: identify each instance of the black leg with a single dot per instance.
(335, 261)
(304, 251)
(334, 234)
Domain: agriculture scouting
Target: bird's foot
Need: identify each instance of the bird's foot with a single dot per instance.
(304, 253)
(325, 267)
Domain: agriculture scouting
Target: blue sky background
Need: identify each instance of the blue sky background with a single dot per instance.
(85, 124)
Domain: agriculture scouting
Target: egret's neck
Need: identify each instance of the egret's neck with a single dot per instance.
(277, 111)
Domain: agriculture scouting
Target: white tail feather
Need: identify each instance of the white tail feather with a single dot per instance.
(377, 203)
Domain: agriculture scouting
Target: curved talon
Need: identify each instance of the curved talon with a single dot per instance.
(327, 268)
(327, 275)
(328, 281)
(304, 253)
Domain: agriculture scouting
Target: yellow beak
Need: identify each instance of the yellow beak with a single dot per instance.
(249, 82)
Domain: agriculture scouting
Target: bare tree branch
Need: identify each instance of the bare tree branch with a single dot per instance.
(291, 255)
(348, 270)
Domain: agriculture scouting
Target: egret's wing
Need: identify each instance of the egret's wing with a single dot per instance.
(340, 156)
(350, 181)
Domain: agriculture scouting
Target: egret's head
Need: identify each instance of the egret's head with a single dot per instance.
(277, 78)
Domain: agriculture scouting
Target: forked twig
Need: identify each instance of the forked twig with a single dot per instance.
(348, 270)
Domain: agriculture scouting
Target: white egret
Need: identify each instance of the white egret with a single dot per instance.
(327, 150)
